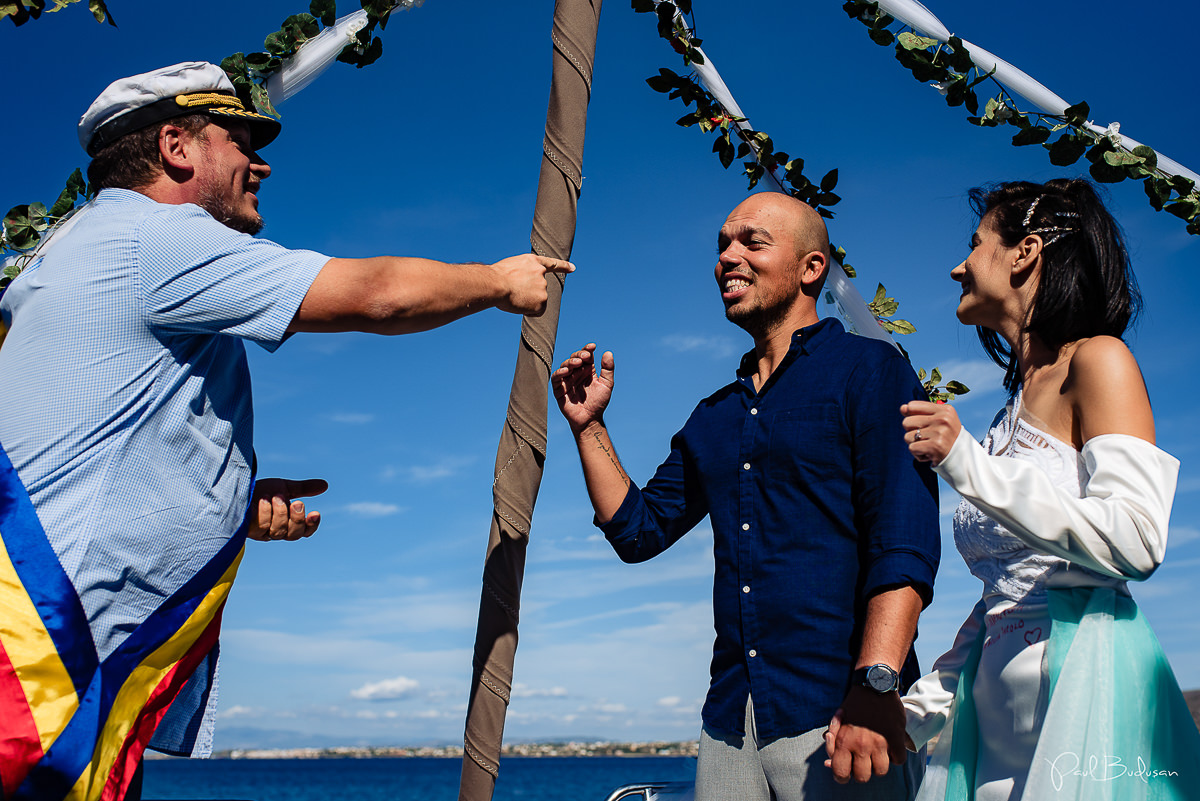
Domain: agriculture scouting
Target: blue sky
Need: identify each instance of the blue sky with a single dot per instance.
(364, 632)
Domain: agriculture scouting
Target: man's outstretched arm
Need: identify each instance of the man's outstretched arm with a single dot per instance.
(401, 295)
(583, 394)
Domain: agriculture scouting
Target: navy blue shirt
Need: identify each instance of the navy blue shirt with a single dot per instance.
(815, 504)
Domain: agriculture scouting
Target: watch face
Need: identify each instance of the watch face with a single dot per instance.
(881, 678)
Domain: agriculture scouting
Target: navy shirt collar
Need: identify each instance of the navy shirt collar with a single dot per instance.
(806, 341)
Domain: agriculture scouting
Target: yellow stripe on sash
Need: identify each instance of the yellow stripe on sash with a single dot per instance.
(44, 679)
(137, 689)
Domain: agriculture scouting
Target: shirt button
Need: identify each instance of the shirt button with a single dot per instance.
(745, 526)
(753, 653)
(746, 588)
(746, 466)
(754, 411)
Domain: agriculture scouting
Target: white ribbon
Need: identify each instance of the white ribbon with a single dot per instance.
(318, 53)
(314, 57)
(920, 19)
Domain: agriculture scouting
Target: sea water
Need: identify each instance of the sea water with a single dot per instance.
(402, 779)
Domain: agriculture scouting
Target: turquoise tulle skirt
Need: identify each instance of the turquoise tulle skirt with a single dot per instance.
(1116, 727)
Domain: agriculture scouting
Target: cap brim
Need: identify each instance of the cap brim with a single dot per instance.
(263, 129)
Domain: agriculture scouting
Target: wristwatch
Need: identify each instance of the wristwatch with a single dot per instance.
(880, 678)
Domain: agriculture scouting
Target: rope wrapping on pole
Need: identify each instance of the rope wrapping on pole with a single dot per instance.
(521, 454)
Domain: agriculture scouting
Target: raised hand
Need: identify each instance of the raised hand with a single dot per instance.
(582, 392)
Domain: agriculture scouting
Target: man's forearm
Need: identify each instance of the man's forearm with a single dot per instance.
(890, 627)
(395, 295)
(607, 482)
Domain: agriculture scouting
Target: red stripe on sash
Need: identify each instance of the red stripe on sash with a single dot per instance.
(20, 745)
(156, 707)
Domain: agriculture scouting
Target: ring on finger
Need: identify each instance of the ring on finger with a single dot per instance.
(917, 436)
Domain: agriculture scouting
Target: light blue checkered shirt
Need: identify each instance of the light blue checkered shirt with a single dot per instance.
(125, 402)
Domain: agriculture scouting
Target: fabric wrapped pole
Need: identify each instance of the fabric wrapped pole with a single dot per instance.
(522, 451)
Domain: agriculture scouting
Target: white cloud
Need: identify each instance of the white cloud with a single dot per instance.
(386, 690)
(715, 347)
(670, 700)
(523, 691)
(610, 709)
(238, 712)
(352, 418)
(982, 376)
(1180, 535)
(424, 473)
(373, 509)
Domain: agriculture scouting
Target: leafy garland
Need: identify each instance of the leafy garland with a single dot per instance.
(21, 11)
(710, 116)
(25, 225)
(949, 67)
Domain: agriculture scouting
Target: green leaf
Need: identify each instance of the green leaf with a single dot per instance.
(1181, 184)
(911, 41)
(1185, 208)
(1077, 114)
(921, 374)
(1120, 158)
(902, 327)
(1158, 191)
(881, 36)
(957, 388)
(19, 228)
(1033, 135)
(665, 81)
(829, 181)
(1066, 150)
(1147, 155)
(960, 59)
(325, 10)
(936, 376)
(101, 12)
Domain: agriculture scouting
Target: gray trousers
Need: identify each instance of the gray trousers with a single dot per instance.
(733, 768)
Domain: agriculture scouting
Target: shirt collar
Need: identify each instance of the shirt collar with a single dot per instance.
(805, 341)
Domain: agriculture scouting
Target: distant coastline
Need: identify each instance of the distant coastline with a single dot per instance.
(574, 748)
(687, 748)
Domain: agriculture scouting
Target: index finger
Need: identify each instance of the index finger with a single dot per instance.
(556, 265)
(918, 407)
(306, 488)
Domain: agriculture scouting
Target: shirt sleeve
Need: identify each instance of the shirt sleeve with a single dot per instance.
(1119, 526)
(199, 276)
(928, 702)
(895, 496)
(652, 519)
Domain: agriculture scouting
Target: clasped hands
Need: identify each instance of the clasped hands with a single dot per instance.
(866, 736)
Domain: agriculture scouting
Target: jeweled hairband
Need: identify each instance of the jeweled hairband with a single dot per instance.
(1059, 231)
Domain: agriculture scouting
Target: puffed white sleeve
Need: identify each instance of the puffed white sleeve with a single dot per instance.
(1118, 527)
(927, 702)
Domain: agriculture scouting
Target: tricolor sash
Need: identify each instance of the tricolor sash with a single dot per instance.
(72, 726)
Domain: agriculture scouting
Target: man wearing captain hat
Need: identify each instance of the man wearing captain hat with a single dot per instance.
(126, 463)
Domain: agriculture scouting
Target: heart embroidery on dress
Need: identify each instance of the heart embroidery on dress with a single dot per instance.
(1033, 635)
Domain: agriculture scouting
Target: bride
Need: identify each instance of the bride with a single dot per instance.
(1055, 687)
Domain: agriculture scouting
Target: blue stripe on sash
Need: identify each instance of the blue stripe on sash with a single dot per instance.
(43, 578)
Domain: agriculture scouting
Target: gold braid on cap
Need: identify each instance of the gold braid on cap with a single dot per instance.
(209, 99)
